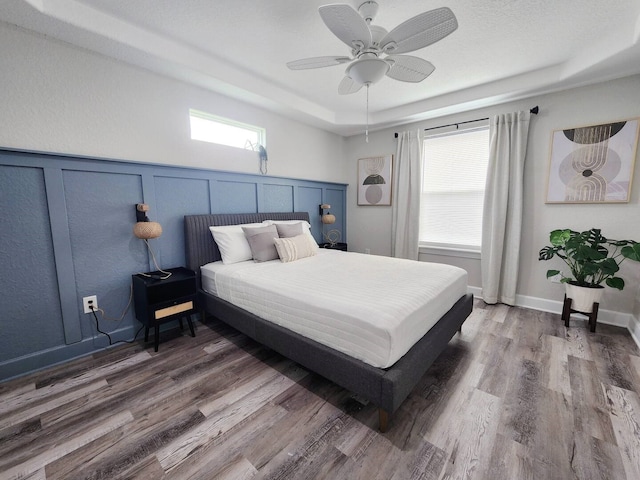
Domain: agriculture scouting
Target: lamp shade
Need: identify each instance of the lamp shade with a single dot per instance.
(146, 230)
(328, 218)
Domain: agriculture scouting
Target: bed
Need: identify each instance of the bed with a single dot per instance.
(386, 388)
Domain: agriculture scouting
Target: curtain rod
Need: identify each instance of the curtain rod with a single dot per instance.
(534, 110)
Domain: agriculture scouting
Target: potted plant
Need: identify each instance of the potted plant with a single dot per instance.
(592, 260)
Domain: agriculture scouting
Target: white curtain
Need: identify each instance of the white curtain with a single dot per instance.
(407, 181)
(502, 215)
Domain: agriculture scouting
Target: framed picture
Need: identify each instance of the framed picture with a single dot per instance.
(374, 180)
(593, 164)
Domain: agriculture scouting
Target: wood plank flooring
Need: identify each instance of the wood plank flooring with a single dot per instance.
(515, 396)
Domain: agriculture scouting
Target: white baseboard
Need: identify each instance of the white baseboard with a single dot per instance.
(608, 317)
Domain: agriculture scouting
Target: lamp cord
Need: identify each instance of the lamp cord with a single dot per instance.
(126, 309)
(155, 262)
(111, 342)
(104, 317)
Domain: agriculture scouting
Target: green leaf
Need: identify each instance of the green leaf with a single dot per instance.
(546, 253)
(620, 243)
(609, 266)
(552, 273)
(589, 253)
(594, 237)
(631, 252)
(615, 282)
(559, 237)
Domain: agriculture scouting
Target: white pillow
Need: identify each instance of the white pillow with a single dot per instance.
(232, 243)
(295, 248)
(306, 228)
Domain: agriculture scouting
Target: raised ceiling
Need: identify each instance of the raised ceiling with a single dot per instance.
(503, 50)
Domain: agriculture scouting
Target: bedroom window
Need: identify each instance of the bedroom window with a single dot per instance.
(453, 181)
(224, 131)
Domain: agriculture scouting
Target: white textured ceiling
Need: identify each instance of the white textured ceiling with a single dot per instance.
(503, 50)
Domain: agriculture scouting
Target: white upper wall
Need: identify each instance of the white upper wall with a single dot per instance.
(62, 99)
(370, 227)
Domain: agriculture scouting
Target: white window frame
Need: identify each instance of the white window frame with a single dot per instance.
(259, 132)
(447, 249)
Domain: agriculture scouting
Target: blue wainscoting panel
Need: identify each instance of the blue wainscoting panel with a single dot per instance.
(174, 197)
(309, 200)
(337, 199)
(30, 316)
(230, 196)
(67, 232)
(105, 252)
(277, 198)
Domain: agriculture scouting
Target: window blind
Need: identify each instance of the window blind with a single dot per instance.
(454, 175)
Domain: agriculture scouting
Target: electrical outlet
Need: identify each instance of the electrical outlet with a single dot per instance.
(367, 251)
(91, 301)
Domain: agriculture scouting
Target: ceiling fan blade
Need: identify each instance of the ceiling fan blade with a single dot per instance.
(346, 24)
(348, 86)
(317, 62)
(408, 68)
(420, 31)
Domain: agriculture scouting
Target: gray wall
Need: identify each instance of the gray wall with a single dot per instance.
(615, 100)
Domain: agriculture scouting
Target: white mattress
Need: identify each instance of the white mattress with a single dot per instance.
(370, 307)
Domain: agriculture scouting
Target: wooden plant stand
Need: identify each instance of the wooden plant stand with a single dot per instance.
(567, 311)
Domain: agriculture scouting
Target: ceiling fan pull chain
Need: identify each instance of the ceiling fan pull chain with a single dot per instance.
(366, 132)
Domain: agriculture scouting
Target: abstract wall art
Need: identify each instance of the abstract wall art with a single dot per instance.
(593, 164)
(374, 180)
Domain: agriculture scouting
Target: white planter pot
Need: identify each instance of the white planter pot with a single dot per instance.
(583, 298)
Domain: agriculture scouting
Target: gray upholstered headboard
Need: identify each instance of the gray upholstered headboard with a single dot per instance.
(200, 248)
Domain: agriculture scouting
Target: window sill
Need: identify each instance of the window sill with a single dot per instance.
(449, 251)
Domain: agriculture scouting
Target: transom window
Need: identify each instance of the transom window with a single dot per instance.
(454, 174)
(224, 131)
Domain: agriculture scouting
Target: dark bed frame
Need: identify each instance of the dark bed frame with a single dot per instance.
(386, 388)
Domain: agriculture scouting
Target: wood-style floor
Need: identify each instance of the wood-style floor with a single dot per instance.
(515, 396)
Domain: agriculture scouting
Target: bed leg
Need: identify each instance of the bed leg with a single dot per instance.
(383, 420)
(460, 329)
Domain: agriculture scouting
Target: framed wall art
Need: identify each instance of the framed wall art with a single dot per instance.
(593, 164)
(374, 180)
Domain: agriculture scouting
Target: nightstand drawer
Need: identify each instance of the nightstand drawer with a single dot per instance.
(181, 307)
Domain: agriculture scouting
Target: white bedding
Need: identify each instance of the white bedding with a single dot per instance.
(370, 307)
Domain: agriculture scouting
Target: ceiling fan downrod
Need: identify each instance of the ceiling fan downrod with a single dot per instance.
(366, 131)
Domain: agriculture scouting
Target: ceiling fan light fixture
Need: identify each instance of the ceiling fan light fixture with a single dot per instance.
(367, 70)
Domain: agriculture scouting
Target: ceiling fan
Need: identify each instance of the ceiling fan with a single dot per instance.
(376, 52)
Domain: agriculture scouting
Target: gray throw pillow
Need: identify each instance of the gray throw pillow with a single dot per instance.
(261, 242)
(289, 230)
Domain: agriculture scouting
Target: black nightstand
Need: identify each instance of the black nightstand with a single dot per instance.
(159, 301)
(337, 246)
